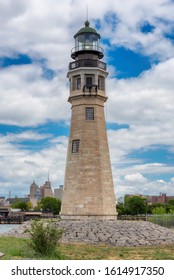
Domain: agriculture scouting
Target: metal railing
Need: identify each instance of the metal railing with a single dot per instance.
(87, 63)
(166, 220)
(87, 47)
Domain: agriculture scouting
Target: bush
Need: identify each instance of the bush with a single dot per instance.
(44, 238)
(159, 210)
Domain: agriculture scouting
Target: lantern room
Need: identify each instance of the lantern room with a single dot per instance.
(87, 40)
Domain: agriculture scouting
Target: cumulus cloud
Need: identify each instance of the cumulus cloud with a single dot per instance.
(135, 178)
(27, 98)
(144, 186)
(20, 166)
(43, 30)
(147, 99)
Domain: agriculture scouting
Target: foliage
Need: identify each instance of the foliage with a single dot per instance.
(171, 202)
(135, 205)
(24, 206)
(51, 204)
(159, 211)
(38, 207)
(160, 208)
(151, 207)
(121, 208)
(44, 237)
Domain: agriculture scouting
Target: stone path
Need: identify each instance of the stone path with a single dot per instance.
(115, 233)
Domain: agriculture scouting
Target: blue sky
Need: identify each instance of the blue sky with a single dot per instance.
(36, 39)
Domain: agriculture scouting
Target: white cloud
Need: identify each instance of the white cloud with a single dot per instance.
(145, 99)
(129, 19)
(146, 105)
(29, 99)
(148, 187)
(19, 167)
(135, 178)
(44, 30)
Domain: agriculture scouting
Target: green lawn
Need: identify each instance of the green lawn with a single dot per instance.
(18, 248)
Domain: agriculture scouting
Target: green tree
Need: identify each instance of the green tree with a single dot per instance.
(136, 205)
(120, 206)
(51, 204)
(159, 210)
(24, 206)
(171, 202)
(169, 208)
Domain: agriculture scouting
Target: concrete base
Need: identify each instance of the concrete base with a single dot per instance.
(89, 217)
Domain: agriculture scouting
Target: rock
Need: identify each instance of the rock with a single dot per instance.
(115, 233)
(1, 255)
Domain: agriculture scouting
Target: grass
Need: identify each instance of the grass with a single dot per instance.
(18, 248)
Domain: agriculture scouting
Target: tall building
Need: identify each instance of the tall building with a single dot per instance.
(35, 191)
(58, 192)
(88, 187)
(35, 194)
(46, 189)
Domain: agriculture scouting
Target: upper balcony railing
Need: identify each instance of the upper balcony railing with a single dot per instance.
(87, 63)
(87, 47)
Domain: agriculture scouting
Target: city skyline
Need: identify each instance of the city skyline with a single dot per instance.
(36, 39)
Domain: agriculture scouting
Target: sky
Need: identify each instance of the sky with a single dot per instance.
(36, 38)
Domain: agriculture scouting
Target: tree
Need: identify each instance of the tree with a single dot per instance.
(171, 202)
(120, 206)
(51, 204)
(136, 205)
(159, 210)
(24, 206)
(169, 208)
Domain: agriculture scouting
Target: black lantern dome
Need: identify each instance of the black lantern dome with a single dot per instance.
(87, 40)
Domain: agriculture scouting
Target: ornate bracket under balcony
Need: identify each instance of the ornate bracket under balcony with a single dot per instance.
(89, 90)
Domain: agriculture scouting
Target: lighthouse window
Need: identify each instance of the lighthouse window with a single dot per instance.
(88, 81)
(90, 113)
(76, 82)
(101, 83)
(75, 146)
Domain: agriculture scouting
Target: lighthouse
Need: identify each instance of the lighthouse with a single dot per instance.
(88, 186)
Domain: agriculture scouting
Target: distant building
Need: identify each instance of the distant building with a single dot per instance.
(4, 212)
(35, 191)
(2, 201)
(46, 190)
(58, 192)
(153, 199)
(18, 199)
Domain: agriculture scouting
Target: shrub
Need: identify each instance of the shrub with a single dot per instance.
(44, 238)
(159, 210)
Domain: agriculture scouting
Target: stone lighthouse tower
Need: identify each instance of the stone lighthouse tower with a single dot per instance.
(88, 187)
